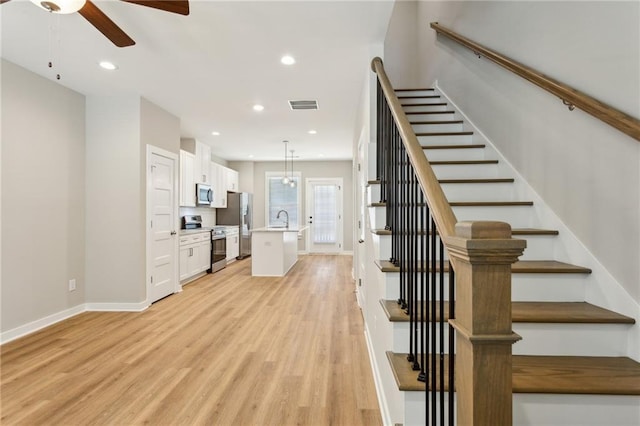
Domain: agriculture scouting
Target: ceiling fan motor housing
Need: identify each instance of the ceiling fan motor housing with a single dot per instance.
(60, 6)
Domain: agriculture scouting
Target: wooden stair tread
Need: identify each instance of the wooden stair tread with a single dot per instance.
(534, 312)
(373, 182)
(426, 104)
(489, 203)
(548, 374)
(439, 122)
(429, 112)
(430, 89)
(466, 133)
(467, 146)
(419, 97)
(489, 180)
(466, 204)
(515, 231)
(462, 162)
(520, 267)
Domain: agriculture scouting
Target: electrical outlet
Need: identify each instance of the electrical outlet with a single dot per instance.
(72, 284)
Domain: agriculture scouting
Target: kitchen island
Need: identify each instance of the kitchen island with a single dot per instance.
(274, 250)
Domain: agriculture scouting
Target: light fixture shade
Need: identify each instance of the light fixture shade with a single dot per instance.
(60, 6)
(285, 180)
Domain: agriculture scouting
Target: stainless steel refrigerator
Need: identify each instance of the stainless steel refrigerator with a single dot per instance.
(239, 212)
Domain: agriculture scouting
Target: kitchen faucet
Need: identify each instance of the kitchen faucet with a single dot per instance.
(286, 221)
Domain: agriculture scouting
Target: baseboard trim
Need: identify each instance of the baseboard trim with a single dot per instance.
(382, 402)
(39, 324)
(117, 307)
(33, 326)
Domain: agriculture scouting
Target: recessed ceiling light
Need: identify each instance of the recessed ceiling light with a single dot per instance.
(312, 132)
(288, 60)
(250, 155)
(108, 65)
(215, 133)
(258, 107)
(320, 155)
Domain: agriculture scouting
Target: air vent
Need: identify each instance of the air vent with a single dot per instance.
(303, 104)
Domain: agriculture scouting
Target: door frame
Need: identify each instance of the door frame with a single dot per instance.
(307, 204)
(149, 236)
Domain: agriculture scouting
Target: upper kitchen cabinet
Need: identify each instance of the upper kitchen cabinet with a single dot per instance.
(203, 161)
(187, 181)
(232, 180)
(219, 185)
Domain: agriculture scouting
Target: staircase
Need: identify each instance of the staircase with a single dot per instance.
(571, 367)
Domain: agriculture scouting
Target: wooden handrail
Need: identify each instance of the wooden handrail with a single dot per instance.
(440, 209)
(571, 97)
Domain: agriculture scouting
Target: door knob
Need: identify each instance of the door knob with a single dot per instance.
(173, 232)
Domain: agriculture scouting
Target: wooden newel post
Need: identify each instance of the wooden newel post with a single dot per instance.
(482, 253)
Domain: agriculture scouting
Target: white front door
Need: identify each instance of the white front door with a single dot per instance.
(324, 215)
(162, 241)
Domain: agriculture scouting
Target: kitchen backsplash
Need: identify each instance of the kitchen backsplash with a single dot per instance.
(208, 214)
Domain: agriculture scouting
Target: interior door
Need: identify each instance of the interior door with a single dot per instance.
(324, 215)
(161, 210)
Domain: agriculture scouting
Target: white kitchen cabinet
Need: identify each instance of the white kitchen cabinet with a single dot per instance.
(203, 160)
(195, 257)
(233, 243)
(232, 180)
(219, 185)
(187, 181)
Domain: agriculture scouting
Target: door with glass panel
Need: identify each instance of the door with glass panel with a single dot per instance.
(324, 215)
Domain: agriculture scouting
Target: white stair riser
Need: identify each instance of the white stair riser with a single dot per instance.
(414, 409)
(547, 287)
(373, 193)
(423, 108)
(433, 117)
(524, 287)
(381, 246)
(377, 217)
(401, 338)
(445, 139)
(465, 171)
(516, 216)
(571, 339)
(417, 93)
(575, 410)
(531, 409)
(421, 100)
(440, 127)
(543, 339)
(454, 154)
(479, 191)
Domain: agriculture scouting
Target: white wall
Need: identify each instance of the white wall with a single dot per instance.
(585, 170)
(43, 197)
(115, 224)
(401, 60)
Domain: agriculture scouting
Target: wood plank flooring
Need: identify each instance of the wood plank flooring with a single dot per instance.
(230, 349)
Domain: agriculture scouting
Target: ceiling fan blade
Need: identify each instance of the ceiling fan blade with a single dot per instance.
(4, 1)
(106, 26)
(174, 6)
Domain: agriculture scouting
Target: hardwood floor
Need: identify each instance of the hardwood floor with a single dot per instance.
(229, 350)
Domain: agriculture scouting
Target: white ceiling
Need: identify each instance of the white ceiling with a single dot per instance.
(211, 67)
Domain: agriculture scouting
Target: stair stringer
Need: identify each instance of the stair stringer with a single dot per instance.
(601, 288)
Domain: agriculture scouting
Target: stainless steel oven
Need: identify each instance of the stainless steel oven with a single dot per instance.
(218, 249)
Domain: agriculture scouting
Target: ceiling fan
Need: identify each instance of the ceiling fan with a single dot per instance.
(101, 21)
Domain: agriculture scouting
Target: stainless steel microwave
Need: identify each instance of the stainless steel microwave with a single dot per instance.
(204, 194)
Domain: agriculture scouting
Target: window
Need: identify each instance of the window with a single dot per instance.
(282, 196)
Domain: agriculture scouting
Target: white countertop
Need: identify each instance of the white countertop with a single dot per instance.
(280, 229)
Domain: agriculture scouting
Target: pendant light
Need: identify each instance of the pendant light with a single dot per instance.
(292, 182)
(285, 178)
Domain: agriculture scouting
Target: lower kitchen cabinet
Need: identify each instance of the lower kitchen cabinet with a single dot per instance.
(195, 255)
(233, 243)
